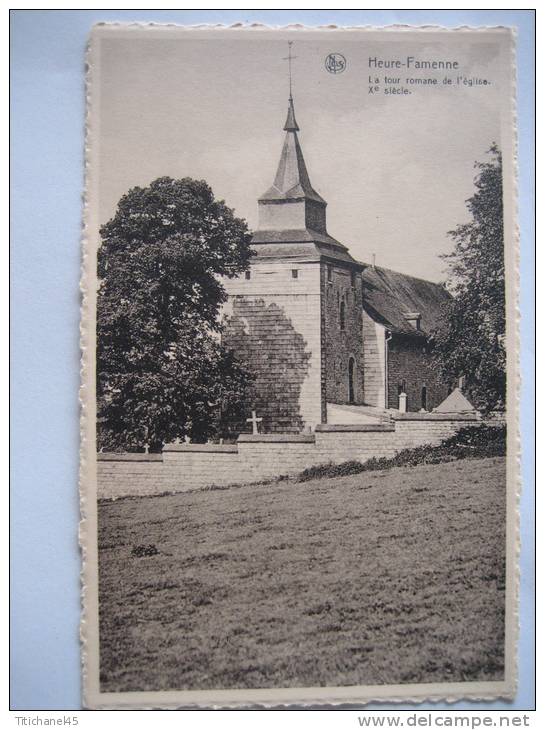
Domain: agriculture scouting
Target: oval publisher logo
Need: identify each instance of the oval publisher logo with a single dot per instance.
(335, 63)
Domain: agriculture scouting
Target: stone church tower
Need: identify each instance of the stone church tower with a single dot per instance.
(296, 316)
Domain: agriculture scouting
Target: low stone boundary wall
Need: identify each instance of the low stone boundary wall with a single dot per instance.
(182, 467)
(122, 474)
(264, 456)
(191, 466)
(178, 469)
(348, 443)
(418, 429)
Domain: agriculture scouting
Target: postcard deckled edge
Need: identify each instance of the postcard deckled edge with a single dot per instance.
(301, 697)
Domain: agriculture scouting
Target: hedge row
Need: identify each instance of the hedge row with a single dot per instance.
(469, 442)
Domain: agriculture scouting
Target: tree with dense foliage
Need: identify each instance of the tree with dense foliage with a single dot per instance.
(162, 372)
(471, 341)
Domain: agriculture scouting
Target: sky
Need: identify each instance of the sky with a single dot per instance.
(395, 170)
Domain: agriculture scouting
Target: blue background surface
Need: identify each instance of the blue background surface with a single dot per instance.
(47, 127)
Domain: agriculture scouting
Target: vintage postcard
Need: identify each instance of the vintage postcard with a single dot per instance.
(299, 391)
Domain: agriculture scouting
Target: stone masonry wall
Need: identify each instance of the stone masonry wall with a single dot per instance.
(263, 456)
(136, 474)
(374, 358)
(408, 361)
(340, 289)
(272, 321)
(177, 469)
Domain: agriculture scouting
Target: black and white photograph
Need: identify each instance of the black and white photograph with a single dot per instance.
(299, 382)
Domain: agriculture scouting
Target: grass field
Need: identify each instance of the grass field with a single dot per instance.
(391, 576)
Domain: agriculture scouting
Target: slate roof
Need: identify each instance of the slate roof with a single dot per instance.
(292, 185)
(455, 402)
(301, 245)
(389, 295)
(291, 181)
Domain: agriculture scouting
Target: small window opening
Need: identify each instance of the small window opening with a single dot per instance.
(424, 398)
(351, 380)
(329, 273)
(246, 274)
(342, 315)
(294, 273)
(353, 279)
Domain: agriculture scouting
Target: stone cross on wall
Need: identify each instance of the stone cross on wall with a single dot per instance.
(254, 421)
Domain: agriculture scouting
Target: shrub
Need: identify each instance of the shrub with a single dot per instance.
(483, 440)
(331, 470)
(470, 441)
(143, 551)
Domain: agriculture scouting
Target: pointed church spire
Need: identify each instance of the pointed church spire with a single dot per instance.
(291, 203)
(291, 180)
(292, 215)
(291, 125)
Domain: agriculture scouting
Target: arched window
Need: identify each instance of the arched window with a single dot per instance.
(342, 314)
(424, 398)
(351, 380)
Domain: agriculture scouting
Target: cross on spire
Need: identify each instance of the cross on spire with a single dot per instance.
(289, 58)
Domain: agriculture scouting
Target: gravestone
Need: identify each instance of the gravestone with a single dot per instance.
(254, 420)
